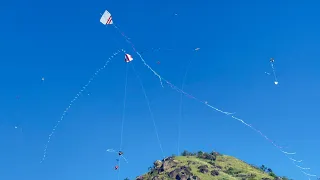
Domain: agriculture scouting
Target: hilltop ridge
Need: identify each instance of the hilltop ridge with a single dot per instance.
(207, 166)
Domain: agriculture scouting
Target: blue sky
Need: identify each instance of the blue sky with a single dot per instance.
(64, 42)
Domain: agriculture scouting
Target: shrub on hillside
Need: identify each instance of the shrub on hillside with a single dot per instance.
(186, 153)
(210, 157)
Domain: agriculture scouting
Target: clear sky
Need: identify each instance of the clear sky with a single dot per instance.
(64, 42)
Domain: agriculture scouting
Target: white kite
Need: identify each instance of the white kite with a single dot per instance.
(274, 71)
(106, 18)
(128, 58)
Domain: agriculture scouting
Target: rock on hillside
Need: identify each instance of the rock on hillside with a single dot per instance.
(206, 166)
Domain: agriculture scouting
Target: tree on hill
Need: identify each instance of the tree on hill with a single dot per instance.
(200, 153)
(263, 168)
(186, 153)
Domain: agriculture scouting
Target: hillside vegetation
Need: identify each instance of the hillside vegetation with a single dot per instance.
(207, 166)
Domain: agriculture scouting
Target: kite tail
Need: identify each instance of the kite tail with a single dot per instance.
(111, 150)
(124, 159)
(313, 175)
(299, 161)
(258, 131)
(154, 72)
(72, 102)
(192, 97)
(303, 168)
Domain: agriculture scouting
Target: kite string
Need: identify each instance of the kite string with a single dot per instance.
(150, 111)
(192, 97)
(124, 107)
(181, 103)
(123, 118)
(126, 38)
(119, 169)
(274, 72)
(72, 101)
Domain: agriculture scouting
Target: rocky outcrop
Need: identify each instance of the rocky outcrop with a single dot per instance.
(169, 167)
(181, 173)
(214, 173)
(157, 164)
(203, 169)
(166, 164)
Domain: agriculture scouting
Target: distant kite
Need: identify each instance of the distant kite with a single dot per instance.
(274, 71)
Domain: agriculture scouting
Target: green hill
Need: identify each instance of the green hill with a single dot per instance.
(207, 166)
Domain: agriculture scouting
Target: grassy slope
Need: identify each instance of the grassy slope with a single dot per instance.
(223, 161)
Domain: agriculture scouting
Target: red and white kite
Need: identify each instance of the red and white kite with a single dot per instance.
(128, 58)
(106, 18)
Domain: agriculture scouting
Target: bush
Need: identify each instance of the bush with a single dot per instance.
(210, 157)
(185, 153)
(263, 168)
(199, 154)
